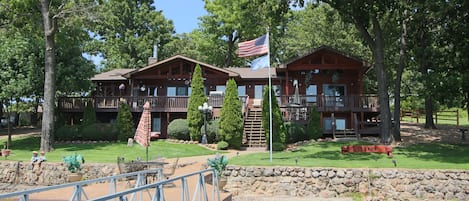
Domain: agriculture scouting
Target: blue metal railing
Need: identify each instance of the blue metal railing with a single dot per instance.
(140, 186)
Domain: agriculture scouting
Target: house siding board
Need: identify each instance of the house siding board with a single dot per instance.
(176, 71)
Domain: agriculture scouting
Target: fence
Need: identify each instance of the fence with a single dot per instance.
(444, 115)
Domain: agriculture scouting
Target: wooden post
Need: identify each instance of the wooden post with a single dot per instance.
(333, 125)
(436, 117)
(457, 118)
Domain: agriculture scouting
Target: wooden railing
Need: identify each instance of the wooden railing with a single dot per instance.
(355, 103)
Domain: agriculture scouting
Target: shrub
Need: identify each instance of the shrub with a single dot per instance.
(99, 131)
(277, 146)
(197, 98)
(212, 131)
(231, 118)
(124, 122)
(66, 133)
(179, 129)
(278, 129)
(222, 145)
(314, 129)
(89, 115)
(295, 132)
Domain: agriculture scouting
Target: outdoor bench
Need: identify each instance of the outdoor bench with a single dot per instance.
(385, 149)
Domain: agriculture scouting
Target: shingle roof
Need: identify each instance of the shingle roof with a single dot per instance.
(252, 74)
(115, 74)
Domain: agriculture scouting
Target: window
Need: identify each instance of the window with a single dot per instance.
(178, 91)
(334, 95)
(152, 91)
(156, 125)
(220, 88)
(339, 124)
(258, 89)
(311, 93)
(241, 90)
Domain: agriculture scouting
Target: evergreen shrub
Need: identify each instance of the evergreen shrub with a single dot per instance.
(66, 133)
(222, 145)
(314, 129)
(124, 123)
(278, 146)
(295, 132)
(179, 129)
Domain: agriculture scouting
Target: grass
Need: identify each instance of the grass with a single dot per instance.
(327, 154)
(104, 152)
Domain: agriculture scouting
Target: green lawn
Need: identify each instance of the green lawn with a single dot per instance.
(104, 152)
(327, 154)
(444, 118)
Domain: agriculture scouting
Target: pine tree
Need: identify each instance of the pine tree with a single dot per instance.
(278, 129)
(314, 129)
(124, 122)
(197, 98)
(231, 119)
(89, 115)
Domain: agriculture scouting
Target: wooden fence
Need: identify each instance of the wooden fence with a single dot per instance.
(443, 115)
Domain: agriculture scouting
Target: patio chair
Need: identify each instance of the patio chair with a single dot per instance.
(168, 172)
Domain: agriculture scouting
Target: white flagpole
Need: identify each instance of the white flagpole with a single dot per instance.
(270, 98)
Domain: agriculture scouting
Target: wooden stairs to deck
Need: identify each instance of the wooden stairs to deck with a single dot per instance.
(253, 132)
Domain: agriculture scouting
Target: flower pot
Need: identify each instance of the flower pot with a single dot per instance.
(73, 177)
(5, 152)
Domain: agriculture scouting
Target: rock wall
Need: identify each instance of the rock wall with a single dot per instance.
(381, 184)
(48, 173)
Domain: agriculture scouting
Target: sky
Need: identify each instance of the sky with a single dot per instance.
(183, 13)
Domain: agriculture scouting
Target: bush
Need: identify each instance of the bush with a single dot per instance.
(124, 123)
(99, 131)
(179, 129)
(222, 145)
(89, 115)
(277, 146)
(295, 132)
(314, 129)
(212, 131)
(66, 133)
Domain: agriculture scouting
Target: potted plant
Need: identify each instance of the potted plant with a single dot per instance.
(219, 164)
(73, 163)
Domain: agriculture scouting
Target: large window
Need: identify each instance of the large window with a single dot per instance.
(339, 124)
(334, 95)
(178, 91)
(156, 125)
(241, 90)
(258, 89)
(311, 93)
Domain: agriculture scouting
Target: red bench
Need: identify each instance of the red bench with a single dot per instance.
(385, 149)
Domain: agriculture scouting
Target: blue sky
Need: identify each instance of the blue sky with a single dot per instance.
(184, 13)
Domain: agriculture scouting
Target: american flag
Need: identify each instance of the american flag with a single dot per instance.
(254, 47)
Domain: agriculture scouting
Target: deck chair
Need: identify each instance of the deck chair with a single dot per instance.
(169, 171)
(123, 168)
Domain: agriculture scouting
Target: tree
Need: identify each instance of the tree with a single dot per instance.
(89, 115)
(314, 124)
(126, 32)
(367, 16)
(196, 99)
(231, 118)
(278, 129)
(124, 122)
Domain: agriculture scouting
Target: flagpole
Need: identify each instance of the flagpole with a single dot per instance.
(270, 99)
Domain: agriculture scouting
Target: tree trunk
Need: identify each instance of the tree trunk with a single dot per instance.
(229, 54)
(49, 83)
(397, 88)
(429, 112)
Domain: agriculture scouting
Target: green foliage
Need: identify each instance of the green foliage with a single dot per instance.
(66, 133)
(178, 129)
(194, 116)
(313, 129)
(218, 163)
(99, 131)
(231, 118)
(212, 130)
(295, 132)
(124, 123)
(74, 162)
(277, 146)
(126, 32)
(222, 145)
(278, 129)
(89, 115)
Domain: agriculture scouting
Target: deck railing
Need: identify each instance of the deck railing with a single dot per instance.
(355, 103)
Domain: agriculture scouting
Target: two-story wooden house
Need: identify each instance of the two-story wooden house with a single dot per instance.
(325, 78)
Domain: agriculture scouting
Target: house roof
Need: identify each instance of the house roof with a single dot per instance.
(115, 74)
(324, 47)
(230, 73)
(247, 73)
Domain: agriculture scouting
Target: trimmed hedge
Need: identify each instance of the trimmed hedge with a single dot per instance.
(222, 145)
(179, 129)
(295, 132)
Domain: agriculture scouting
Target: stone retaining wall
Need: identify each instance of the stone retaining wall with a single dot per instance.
(383, 184)
(49, 173)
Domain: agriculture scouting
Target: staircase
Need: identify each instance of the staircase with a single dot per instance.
(253, 131)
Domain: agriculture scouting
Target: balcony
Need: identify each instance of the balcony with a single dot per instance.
(353, 103)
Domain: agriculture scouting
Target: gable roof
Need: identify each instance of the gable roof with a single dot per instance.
(115, 74)
(154, 65)
(324, 47)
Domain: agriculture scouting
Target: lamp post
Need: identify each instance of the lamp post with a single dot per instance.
(205, 109)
